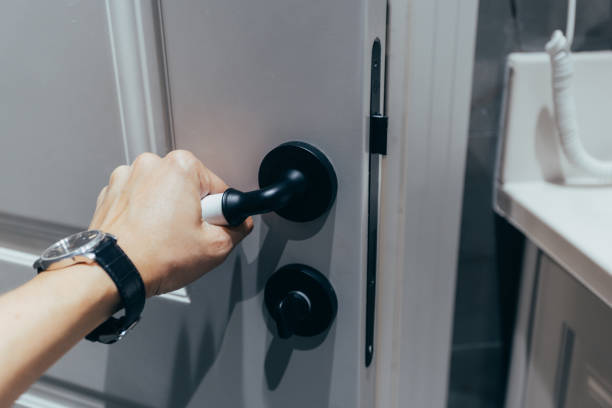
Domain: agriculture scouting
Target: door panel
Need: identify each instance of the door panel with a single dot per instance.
(245, 77)
(59, 120)
(61, 136)
(285, 70)
(242, 77)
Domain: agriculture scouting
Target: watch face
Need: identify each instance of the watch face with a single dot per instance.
(78, 243)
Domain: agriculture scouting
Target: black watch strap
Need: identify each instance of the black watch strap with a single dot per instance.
(131, 290)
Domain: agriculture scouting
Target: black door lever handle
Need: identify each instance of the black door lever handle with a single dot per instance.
(296, 179)
(291, 311)
(237, 206)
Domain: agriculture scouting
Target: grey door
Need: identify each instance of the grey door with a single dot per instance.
(228, 80)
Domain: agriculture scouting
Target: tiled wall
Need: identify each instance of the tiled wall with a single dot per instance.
(485, 291)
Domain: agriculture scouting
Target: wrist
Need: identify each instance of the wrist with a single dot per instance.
(100, 288)
(86, 284)
(143, 266)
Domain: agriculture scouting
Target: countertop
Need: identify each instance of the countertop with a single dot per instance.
(571, 223)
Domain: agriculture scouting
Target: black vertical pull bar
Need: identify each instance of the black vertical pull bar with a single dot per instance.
(373, 199)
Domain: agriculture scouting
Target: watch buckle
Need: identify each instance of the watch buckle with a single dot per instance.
(127, 329)
(113, 338)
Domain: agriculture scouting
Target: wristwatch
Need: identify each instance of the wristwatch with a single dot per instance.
(97, 246)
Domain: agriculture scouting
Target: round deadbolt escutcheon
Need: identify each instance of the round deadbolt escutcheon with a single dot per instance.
(298, 278)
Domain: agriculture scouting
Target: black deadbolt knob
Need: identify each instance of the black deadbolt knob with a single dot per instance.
(301, 301)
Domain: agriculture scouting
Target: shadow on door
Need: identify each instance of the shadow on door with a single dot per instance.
(221, 349)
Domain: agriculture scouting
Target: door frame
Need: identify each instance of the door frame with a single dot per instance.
(430, 51)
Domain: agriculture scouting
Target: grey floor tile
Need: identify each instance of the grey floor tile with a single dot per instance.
(477, 221)
(469, 400)
(495, 40)
(477, 378)
(538, 19)
(477, 313)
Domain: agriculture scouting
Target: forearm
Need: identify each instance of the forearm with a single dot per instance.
(153, 209)
(42, 319)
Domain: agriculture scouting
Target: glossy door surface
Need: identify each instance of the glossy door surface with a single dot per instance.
(86, 86)
(245, 77)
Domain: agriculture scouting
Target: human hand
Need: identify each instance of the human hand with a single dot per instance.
(153, 208)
